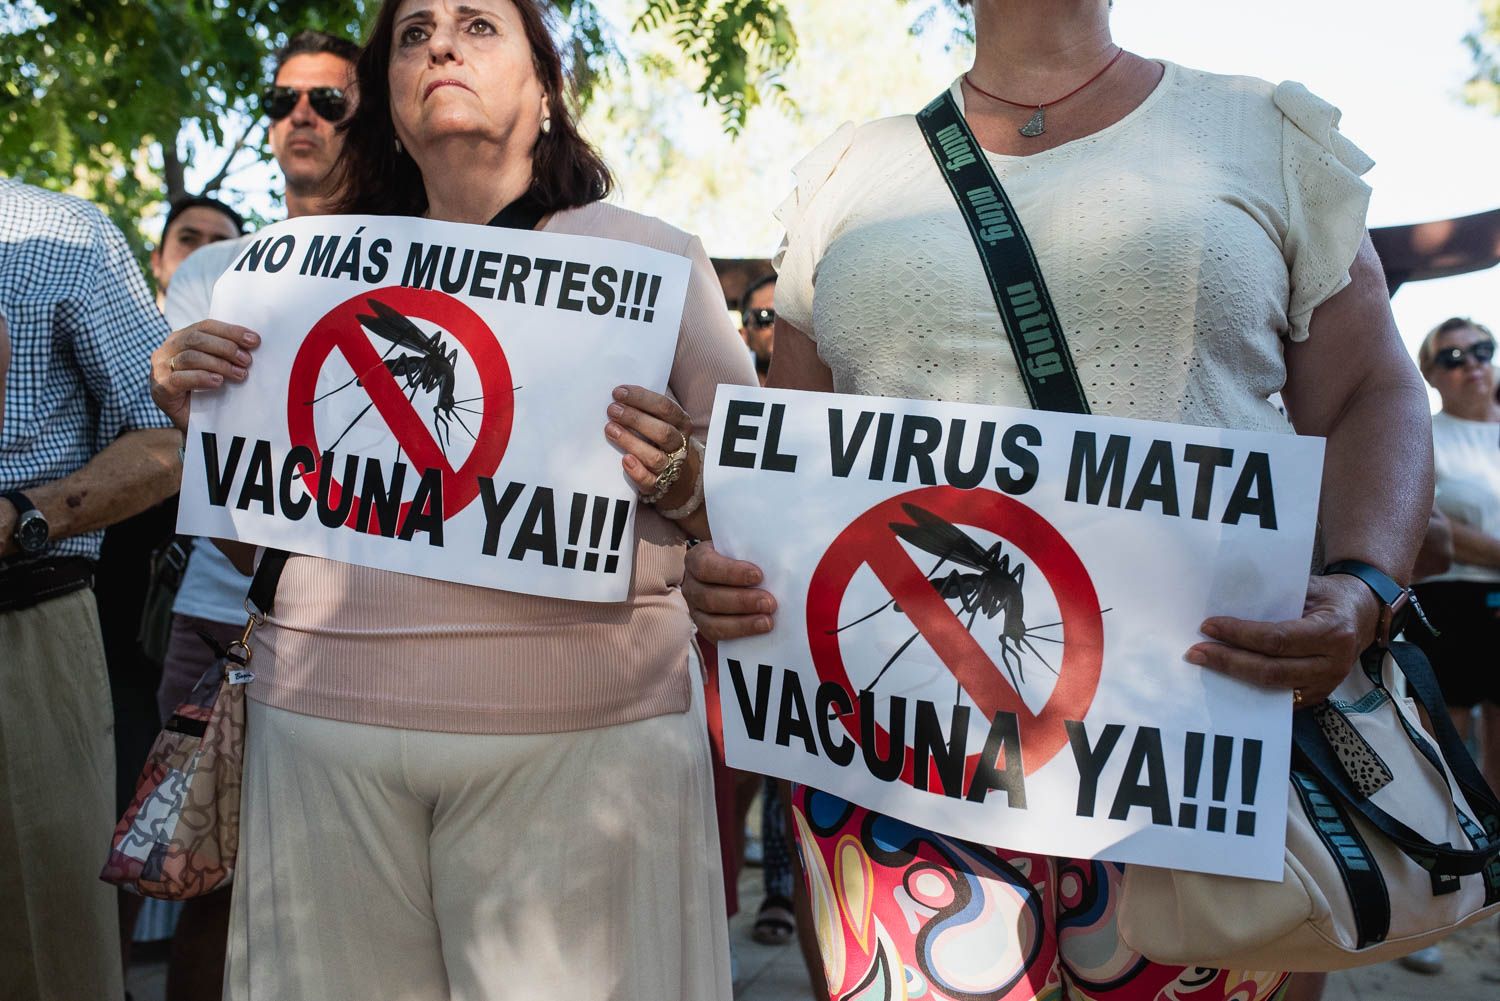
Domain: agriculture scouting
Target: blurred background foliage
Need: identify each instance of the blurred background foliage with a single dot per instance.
(1483, 90)
(119, 101)
(129, 103)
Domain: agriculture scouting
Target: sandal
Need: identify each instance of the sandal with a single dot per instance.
(775, 922)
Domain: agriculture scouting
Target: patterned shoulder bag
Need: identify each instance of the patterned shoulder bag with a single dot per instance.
(179, 836)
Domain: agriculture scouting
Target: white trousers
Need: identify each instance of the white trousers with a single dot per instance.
(414, 866)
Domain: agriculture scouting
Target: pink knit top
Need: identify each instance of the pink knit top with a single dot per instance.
(371, 646)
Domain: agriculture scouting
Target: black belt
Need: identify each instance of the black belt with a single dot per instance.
(23, 585)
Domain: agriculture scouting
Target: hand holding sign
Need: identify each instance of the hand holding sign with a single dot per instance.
(199, 356)
(725, 596)
(1311, 655)
(649, 428)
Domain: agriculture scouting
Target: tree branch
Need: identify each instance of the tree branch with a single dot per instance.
(172, 171)
(234, 151)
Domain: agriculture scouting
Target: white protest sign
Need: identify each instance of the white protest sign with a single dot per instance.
(429, 398)
(982, 616)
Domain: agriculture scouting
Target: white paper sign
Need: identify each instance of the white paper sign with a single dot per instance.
(429, 398)
(983, 614)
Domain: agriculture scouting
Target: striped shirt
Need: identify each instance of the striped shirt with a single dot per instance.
(82, 329)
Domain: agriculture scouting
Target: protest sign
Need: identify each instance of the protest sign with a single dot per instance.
(429, 398)
(982, 616)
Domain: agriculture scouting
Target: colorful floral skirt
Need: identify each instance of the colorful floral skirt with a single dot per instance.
(905, 913)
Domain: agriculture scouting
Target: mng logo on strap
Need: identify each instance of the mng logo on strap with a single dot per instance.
(956, 148)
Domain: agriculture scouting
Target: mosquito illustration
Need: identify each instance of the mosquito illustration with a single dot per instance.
(429, 366)
(993, 588)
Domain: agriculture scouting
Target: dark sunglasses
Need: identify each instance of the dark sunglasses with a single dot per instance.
(328, 102)
(1452, 358)
(757, 318)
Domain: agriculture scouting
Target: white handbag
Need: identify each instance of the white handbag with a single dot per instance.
(1393, 841)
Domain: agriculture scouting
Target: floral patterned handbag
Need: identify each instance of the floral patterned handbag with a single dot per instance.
(179, 836)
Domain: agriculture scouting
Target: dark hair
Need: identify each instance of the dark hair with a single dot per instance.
(373, 178)
(181, 205)
(753, 288)
(310, 43)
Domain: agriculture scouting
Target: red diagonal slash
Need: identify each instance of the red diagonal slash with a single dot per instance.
(870, 541)
(390, 401)
(340, 329)
(935, 619)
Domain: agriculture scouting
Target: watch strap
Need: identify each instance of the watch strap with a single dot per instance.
(1395, 600)
(1387, 590)
(20, 501)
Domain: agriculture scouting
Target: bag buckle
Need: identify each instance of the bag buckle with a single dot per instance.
(239, 649)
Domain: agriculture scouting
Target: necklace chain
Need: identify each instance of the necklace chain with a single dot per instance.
(1044, 104)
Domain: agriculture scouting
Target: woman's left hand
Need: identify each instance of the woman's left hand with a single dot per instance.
(649, 427)
(1310, 655)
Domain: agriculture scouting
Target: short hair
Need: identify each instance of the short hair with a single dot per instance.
(309, 42)
(181, 205)
(754, 287)
(1428, 350)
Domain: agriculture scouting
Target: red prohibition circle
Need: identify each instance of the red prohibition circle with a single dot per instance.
(340, 330)
(869, 540)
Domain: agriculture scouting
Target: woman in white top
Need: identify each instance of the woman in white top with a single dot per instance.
(1204, 240)
(1463, 604)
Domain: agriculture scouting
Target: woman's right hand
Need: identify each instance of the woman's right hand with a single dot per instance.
(200, 356)
(723, 595)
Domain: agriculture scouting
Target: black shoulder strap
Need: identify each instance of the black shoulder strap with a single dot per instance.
(267, 576)
(1036, 336)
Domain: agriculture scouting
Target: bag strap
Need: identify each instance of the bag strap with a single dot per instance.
(263, 585)
(1444, 861)
(1369, 897)
(1423, 685)
(1026, 310)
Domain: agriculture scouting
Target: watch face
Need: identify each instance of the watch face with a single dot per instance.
(31, 533)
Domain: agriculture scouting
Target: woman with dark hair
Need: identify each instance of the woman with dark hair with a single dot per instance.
(1204, 236)
(457, 792)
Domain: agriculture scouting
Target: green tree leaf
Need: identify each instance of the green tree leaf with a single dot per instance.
(1483, 88)
(113, 100)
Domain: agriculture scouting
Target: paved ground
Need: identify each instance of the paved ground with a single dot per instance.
(1471, 970)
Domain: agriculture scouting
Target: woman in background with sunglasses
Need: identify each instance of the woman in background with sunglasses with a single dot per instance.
(1463, 603)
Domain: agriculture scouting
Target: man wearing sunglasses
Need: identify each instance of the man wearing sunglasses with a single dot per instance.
(758, 322)
(308, 96)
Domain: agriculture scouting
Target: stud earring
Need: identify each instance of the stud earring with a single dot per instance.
(546, 125)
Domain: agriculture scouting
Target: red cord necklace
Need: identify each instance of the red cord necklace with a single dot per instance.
(1038, 123)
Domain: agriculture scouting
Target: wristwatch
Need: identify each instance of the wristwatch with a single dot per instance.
(1396, 602)
(31, 531)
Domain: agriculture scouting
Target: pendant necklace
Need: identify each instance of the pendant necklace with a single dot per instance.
(1038, 123)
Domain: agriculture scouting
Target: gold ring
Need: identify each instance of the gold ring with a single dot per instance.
(172, 364)
(1296, 696)
(681, 449)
